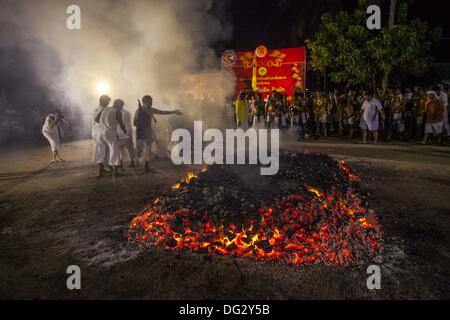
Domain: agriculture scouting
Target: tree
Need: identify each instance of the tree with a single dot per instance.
(403, 48)
(340, 46)
(359, 56)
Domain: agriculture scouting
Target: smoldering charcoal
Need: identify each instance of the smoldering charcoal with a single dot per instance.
(312, 212)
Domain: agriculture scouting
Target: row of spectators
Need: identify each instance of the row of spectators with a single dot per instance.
(401, 114)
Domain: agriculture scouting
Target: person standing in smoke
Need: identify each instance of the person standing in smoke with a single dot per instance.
(143, 122)
(126, 140)
(258, 111)
(250, 100)
(109, 119)
(270, 109)
(295, 113)
(101, 152)
(241, 111)
(278, 110)
(51, 132)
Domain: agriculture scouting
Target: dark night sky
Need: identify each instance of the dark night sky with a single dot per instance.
(266, 22)
(253, 22)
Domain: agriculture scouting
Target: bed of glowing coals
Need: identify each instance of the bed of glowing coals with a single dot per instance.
(311, 212)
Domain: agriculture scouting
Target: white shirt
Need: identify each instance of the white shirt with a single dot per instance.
(47, 125)
(370, 110)
(126, 117)
(96, 127)
(108, 118)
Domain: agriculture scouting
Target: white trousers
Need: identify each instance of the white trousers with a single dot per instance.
(101, 151)
(108, 141)
(435, 128)
(53, 139)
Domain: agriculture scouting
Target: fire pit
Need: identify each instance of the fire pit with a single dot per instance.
(311, 212)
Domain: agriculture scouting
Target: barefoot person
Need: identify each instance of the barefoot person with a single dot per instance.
(51, 132)
(101, 152)
(109, 119)
(143, 122)
(370, 120)
(126, 140)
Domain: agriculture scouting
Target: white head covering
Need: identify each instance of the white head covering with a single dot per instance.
(432, 93)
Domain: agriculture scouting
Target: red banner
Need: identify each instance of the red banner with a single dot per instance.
(283, 70)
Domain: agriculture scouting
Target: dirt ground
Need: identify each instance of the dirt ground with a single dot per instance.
(53, 216)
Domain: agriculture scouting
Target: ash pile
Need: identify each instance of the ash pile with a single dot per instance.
(312, 211)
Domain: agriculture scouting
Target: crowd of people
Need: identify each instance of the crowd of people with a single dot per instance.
(406, 114)
(112, 134)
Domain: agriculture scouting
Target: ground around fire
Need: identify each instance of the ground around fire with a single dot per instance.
(53, 216)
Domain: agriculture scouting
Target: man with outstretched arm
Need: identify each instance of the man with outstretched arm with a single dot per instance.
(143, 122)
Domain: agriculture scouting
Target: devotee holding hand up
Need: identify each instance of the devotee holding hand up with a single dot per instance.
(51, 132)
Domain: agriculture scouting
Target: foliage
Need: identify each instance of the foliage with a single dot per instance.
(355, 55)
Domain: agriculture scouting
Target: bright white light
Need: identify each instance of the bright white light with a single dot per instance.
(102, 88)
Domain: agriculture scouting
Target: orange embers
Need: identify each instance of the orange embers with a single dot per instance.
(327, 230)
(189, 176)
(347, 170)
(314, 190)
(330, 228)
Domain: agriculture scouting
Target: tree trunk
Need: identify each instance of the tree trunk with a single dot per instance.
(385, 81)
(392, 12)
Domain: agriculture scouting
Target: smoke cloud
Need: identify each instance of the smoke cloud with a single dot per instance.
(135, 47)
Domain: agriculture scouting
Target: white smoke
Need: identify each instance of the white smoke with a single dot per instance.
(136, 47)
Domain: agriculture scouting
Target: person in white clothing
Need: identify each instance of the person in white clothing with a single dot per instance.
(444, 97)
(370, 120)
(110, 118)
(51, 132)
(101, 152)
(126, 140)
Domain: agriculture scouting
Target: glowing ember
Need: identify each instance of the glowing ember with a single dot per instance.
(330, 227)
(347, 170)
(190, 175)
(315, 191)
